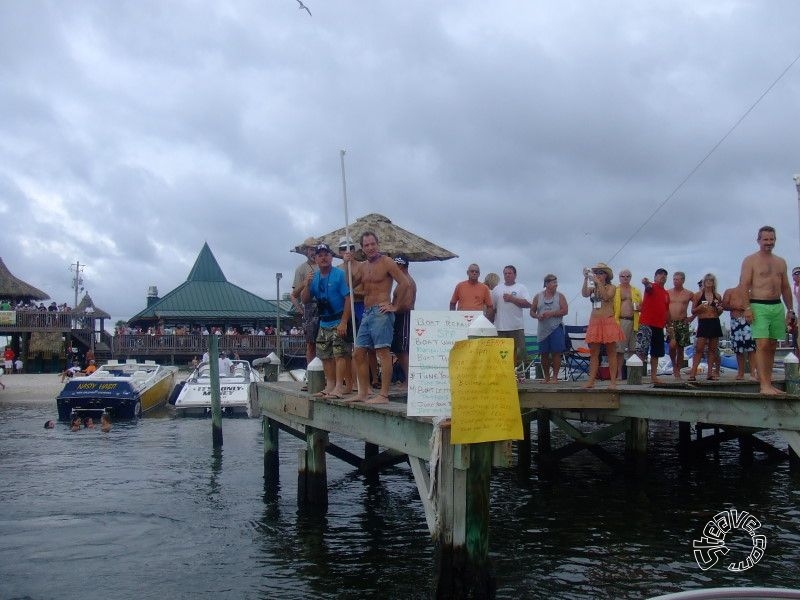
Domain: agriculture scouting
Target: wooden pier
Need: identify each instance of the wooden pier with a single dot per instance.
(453, 480)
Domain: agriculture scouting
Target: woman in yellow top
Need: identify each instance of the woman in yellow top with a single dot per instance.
(603, 330)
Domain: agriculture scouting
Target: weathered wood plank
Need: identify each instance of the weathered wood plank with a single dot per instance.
(297, 405)
(383, 425)
(423, 480)
(568, 398)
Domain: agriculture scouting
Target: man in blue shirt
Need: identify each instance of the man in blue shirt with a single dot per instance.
(329, 288)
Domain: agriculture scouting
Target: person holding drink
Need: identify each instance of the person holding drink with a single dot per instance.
(603, 329)
(707, 307)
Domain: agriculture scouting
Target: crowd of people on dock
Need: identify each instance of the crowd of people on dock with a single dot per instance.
(625, 319)
(382, 316)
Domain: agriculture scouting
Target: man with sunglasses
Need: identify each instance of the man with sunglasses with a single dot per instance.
(471, 294)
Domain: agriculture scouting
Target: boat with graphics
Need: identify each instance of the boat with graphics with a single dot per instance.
(123, 390)
(237, 391)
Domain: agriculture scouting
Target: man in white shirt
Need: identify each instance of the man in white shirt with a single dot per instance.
(509, 299)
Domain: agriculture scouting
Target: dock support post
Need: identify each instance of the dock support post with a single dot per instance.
(271, 460)
(636, 436)
(312, 476)
(684, 441)
(794, 461)
(463, 569)
(746, 449)
(216, 406)
(791, 368)
(636, 444)
(543, 431)
(524, 445)
(371, 450)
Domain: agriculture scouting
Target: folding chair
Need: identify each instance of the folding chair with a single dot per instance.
(576, 356)
(532, 358)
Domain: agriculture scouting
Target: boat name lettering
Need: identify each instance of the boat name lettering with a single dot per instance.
(224, 390)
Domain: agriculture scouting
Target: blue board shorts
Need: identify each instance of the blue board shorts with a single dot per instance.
(555, 342)
(769, 320)
(377, 329)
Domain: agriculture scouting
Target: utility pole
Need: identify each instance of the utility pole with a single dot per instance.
(77, 284)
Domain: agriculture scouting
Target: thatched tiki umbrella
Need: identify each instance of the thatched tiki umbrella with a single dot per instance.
(12, 288)
(393, 240)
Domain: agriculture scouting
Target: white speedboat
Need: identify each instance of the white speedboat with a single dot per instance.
(123, 390)
(237, 391)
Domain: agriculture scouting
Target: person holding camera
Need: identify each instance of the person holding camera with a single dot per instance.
(329, 288)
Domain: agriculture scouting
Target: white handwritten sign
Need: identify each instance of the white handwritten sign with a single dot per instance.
(433, 333)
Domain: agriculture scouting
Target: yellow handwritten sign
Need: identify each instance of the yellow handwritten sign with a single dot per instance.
(483, 391)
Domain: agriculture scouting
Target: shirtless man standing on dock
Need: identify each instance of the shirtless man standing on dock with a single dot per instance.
(764, 282)
(678, 324)
(376, 275)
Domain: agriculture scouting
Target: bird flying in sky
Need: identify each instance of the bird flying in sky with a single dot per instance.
(303, 7)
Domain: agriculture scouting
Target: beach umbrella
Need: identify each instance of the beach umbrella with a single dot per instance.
(392, 238)
(12, 288)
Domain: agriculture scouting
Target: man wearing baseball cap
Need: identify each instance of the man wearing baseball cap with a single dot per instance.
(328, 287)
(309, 311)
(402, 318)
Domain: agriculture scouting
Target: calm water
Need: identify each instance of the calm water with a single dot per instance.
(148, 511)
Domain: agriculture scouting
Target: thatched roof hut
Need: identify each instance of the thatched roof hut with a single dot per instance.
(12, 288)
(87, 305)
(392, 238)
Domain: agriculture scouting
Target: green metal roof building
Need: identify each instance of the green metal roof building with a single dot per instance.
(207, 298)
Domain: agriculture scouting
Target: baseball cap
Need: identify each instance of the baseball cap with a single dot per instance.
(322, 248)
(796, 270)
(346, 242)
(401, 260)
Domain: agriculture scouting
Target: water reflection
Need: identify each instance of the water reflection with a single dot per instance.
(154, 508)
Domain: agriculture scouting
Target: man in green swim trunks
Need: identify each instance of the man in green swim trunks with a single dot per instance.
(764, 281)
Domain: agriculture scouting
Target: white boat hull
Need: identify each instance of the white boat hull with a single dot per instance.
(237, 391)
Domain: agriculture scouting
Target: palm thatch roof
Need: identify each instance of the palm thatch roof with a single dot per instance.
(393, 240)
(16, 289)
(87, 303)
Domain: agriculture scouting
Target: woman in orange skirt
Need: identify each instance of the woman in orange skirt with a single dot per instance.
(603, 330)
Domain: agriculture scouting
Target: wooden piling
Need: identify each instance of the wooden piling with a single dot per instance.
(684, 441)
(746, 449)
(480, 580)
(636, 436)
(216, 406)
(463, 569)
(270, 431)
(312, 476)
(791, 375)
(524, 445)
(635, 368)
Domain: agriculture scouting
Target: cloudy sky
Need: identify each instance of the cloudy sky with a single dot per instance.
(542, 134)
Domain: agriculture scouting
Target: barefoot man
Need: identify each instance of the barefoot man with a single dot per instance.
(734, 300)
(678, 325)
(764, 282)
(377, 275)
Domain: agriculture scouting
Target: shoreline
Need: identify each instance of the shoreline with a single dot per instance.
(30, 388)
